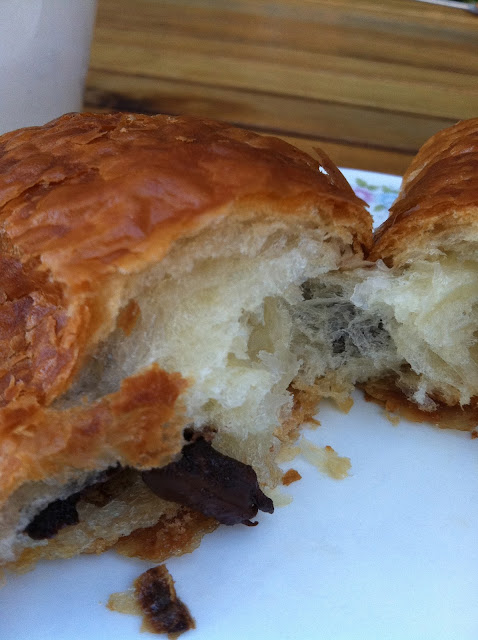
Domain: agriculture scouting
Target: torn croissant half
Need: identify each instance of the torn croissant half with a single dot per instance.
(153, 272)
(425, 285)
(177, 295)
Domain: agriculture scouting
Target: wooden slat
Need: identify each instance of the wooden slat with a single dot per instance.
(371, 79)
(290, 115)
(354, 29)
(285, 72)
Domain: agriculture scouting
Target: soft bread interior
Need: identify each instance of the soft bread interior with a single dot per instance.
(339, 343)
(218, 309)
(429, 309)
(248, 314)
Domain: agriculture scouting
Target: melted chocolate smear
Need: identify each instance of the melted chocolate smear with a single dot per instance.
(62, 513)
(214, 484)
(55, 516)
(164, 612)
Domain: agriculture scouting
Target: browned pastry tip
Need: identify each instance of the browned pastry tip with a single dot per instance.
(438, 201)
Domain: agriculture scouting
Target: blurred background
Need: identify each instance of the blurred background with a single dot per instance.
(367, 80)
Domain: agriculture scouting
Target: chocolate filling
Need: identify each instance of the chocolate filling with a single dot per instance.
(55, 516)
(203, 479)
(212, 483)
(63, 512)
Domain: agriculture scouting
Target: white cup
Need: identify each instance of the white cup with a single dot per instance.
(44, 55)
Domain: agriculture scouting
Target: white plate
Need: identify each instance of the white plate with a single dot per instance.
(388, 553)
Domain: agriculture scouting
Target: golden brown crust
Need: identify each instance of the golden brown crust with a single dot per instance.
(176, 532)
(386, 393)
(438, 203)
(171, 536)
(140, 426)
(88, 199)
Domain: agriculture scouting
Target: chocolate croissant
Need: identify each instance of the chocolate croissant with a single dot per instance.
(157, 323)
(426, 284)
(177, 295)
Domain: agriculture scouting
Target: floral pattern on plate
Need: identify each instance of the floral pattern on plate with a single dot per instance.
(377, 190)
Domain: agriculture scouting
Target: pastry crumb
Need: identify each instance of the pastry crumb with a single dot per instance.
(325, 459)
(154, 597)
(290, 476)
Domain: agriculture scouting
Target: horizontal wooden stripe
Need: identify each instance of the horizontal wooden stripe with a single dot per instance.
(393, 16)
(287, 72)
(295, 116)
(354, 29)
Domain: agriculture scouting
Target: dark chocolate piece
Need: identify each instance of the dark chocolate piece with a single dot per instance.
(52, 518)
(164, 612)
(212, 483)
(61, 513)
